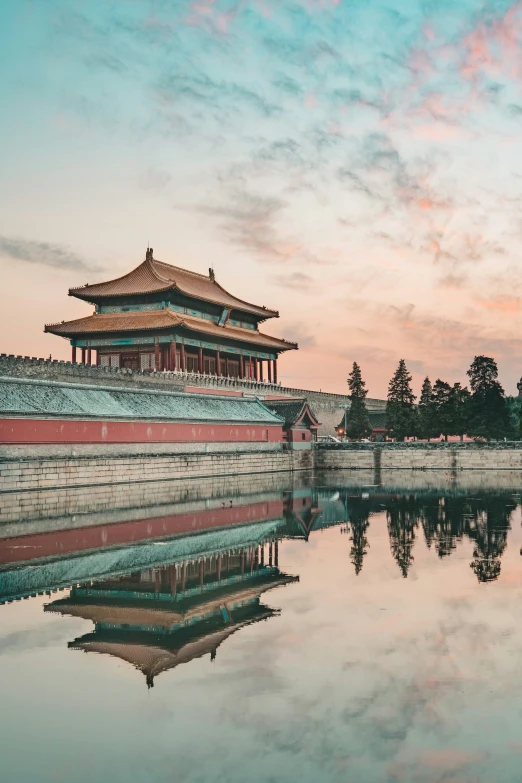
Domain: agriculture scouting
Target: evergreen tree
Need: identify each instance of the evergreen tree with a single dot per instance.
(400, 410)
(514, 405)
(357, 419)
(426, 420)
(442, 407)
(459, 410)
(489, 415)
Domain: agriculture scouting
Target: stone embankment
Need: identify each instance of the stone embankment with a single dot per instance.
(34, 473)
(328, 407)
(450, 457)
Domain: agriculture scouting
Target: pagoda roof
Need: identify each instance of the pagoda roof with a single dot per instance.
(152, 320)
(293, 411)
(153, 276)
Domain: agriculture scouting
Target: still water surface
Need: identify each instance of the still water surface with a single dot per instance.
(325, 633)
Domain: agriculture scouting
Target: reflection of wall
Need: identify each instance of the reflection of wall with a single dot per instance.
(123, 502)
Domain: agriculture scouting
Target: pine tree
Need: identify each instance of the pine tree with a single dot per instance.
(459, 410)
(442, 407)
(357, 419)
(489, 415)
(426, 420)
(400, 411)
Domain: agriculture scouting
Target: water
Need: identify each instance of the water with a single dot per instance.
(335, 632)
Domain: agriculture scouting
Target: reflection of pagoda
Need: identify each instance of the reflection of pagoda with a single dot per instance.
(159, 618)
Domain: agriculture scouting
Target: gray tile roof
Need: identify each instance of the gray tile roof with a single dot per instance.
(46, 398)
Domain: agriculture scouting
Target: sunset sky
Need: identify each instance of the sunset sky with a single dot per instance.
(355, 164)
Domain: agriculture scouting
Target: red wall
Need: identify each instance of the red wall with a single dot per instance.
(70, 431)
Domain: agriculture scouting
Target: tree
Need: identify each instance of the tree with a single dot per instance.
(357, 419)
(514, 405)
(426, 420)
(459, 409)
(489, 416)
(441, 399)
(400, 410)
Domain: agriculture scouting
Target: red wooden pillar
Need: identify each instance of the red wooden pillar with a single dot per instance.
(262, 554)
(219, 560)
(89, 357)
(241, 367)
(243, 562)
(157, 358)
(261, 370)
(275, 370)
(173, 580)
(73, 358)
(269, 366)
(172, 363)
(256, 369)
(218, 363)
(182, 357)
(270, 550)
(201, 571)
(276, 554)
(183, 576)
(83, 355)
(226, 367)
(200, 361)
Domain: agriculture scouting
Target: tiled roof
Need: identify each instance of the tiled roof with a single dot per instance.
(32, 397)
(291, 410)
(377, 420)
(153, 276)
(162, 319)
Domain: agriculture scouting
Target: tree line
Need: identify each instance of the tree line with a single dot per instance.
(483, 411)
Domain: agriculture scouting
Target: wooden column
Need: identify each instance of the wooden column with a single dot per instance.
(219, 561)
(201, 571)
(183, 576)
(270, 550)
(261, 370)
(269, 366)
(83, 355)
(182, 357)
(275, 370)
(73, 358)
(172, 365)
(241, 366)
(200, 361)
(218, 363)
(173, 580)
(262, 554)
(256, 369)
(157, 358)
(89, 356)
(226, 367)
(276, 554)
(243, 562)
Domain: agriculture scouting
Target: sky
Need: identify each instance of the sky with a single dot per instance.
(355, 165)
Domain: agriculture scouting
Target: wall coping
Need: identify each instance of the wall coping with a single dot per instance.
(421, 446)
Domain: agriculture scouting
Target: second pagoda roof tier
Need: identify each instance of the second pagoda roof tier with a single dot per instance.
(154, 320)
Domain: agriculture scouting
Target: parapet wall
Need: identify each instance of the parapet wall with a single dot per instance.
(328, 407)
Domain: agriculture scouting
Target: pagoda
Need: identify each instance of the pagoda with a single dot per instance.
(161, 317)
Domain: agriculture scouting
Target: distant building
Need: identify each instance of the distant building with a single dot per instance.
(377, 423)
(300, 423)
(162, 317)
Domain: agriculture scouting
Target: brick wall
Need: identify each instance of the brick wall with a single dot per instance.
(50, 472)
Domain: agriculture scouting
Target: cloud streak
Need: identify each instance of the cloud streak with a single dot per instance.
(43, 254)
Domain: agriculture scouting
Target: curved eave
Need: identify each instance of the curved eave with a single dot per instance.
(280, 346)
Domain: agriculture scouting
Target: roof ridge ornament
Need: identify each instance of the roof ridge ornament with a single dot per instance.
(211, 275)
(148, 254)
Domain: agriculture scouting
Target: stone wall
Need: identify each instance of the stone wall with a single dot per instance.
(450, 457)
(328, 407)
(83, 470)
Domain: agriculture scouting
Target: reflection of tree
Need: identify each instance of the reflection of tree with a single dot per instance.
(442, 521)
(359, 512)
(487, 526)
(402, 515)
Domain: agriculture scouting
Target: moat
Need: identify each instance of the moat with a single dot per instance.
(274, 628)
